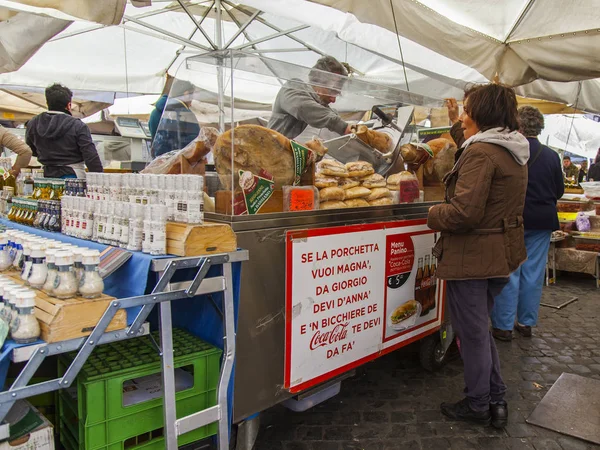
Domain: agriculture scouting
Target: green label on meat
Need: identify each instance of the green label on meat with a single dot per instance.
(301, 160)
(257, 190)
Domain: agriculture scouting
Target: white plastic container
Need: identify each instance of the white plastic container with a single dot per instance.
(48, 286)
(5, 310)
(5, 260)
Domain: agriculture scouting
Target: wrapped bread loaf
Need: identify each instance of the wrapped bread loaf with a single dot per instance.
(383, 201)
(331, 194)
(322, 181)
(379, 193)
(356, 203)
(373, 181)
(359, 169)
(378, 140)
(348, 183)
(332, 205)
(357, 192)
(255, 149)
(332, 168)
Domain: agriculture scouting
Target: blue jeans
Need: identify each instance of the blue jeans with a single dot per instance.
(520, 298)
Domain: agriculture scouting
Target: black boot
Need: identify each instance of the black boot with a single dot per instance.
(502, 335)
(499, 412)
(524, 330)
(462, 411)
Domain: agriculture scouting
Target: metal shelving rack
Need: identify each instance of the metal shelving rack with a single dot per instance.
(163, 294)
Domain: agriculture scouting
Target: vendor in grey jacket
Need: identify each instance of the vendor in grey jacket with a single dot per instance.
(298, 105)
(61, 142)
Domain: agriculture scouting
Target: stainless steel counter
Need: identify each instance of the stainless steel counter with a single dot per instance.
(261, 333)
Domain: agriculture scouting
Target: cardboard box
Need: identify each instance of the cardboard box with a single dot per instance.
(29, 429)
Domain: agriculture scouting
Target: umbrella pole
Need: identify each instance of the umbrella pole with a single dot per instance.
(220, 73)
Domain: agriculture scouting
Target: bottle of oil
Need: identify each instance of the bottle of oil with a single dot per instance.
(10, 180)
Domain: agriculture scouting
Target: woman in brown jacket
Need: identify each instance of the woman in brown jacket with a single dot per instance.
(16, 145)
(481, 243)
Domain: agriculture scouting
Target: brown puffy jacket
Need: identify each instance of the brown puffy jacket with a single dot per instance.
(482, 219)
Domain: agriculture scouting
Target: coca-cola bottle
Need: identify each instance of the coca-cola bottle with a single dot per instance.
(419, 283)
(433, 289)
(425, 287)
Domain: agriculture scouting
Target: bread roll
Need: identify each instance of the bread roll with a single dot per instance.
(325, 182)
(348, 183)
(332, 205)
(357, 192)
(332, 168)
(381, 201)
(393, 182)
(356, 203)
(331, 193)
(379, 193)
(373, 181)
(359, 169)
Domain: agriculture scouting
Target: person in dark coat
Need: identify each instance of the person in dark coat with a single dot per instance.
(594, 172)
(519, 302)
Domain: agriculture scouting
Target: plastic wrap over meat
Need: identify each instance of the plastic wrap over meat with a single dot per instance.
(186, 159)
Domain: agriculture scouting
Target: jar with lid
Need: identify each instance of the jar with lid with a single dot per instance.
(39, 270)
(10, 180)
(27, 182)
(18, 258)
(25, 329)
(51, 270)
(65, 283)
(11, 313)
(78, 262)
(5, 260)
(91, 284)
(27, 243)
(159, 229)
(5, 311)
(136, 227)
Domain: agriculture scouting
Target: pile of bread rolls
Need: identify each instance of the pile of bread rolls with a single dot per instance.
(352, 185)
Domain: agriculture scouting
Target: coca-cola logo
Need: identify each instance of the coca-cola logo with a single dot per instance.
(426, 283)
(339, 333)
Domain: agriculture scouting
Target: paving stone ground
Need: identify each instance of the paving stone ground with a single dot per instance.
(394, 404)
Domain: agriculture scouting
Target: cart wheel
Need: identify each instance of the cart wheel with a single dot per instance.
(432, 353)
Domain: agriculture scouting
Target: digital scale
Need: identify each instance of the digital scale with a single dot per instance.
(133, 128)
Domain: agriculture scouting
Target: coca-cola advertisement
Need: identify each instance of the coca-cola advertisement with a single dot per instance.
(354, 293)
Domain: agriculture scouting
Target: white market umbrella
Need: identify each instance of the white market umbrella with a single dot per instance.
(528, 43)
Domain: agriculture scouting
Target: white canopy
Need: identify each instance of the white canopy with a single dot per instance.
(527, 43)
(576, 134)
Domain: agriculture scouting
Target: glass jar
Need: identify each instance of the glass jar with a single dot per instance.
(78, 262)
(39, 270)
(18, 253)
(5, 260)
(5, 311)
(11, 309)
(27, 182)
(25, 329)
(91, 284)
(65, 283)
(48, 286)
(26, 268)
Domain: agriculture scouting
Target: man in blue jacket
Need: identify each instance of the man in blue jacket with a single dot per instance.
(518, 304)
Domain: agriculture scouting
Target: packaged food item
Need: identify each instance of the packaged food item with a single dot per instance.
(5, 260)
(5, 310)
(300, 198)
(383, 201)
(332, 168)
(336, 204)
(323, 181)
(25, 329)
(91, 284)
(379, 193)
(373, 181)
(407, 184)
(348, 183)
(359, 169)
(65, 283)
(357, 192)
(331, 194)
(356, 203)
(48, 285)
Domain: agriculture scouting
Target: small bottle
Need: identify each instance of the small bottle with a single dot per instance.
(5, 260)
(12, 309)
(147, 236)
(39, 270)
(91, 284)
(25, 329)
(27, 182)
(159, 230)
(65, 283)
(136, 227)
(48, 286)
(115, 235)
(125, 218)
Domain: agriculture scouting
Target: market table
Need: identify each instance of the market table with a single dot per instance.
(149, 280)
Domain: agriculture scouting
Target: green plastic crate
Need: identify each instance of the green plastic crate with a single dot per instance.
(97, 418)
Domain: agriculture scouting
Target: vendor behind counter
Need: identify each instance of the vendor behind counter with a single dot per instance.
(299, 105)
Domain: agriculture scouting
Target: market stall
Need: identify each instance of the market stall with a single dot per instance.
(343, 270)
